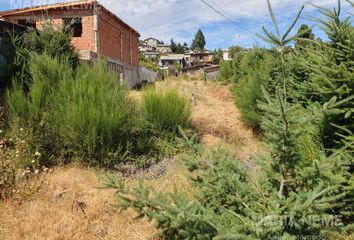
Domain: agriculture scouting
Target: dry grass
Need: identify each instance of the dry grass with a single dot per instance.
(216, 118)
(69, 206)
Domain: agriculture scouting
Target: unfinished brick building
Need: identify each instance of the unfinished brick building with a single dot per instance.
(97, 31)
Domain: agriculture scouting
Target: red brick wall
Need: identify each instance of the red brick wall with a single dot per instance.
(86, 42)
(111, 31)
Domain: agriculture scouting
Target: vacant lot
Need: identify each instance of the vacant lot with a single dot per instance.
(67, 204)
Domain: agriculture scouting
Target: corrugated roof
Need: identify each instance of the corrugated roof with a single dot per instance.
(62, 5)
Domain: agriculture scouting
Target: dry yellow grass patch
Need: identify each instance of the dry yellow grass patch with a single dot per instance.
(69, 206)
(216, 117)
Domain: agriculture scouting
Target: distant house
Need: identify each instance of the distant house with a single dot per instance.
(97, 31)
(149, 52)
(152, 42)
(162, 48)
(146, 48)
(172, 60)
(194, 59)
(226, 54)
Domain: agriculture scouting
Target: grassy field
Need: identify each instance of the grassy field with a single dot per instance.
(68, 204)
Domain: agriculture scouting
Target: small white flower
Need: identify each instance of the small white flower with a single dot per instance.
(37, 154)
(33, 161)
(21, 129)
(36, 171)
(0, 131)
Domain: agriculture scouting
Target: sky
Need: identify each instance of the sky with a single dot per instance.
(180, 19)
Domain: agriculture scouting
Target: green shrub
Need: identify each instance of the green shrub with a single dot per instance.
(54, 41)
(82, 114)
(165, 111)
(93, 117)
(257, 69)
(226, 71)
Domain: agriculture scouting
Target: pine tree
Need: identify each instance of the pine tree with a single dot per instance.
(330, 67)
(173, 46)
(199, 42)
(304, 33)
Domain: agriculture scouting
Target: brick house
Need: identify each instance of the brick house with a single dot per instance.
(97, 32)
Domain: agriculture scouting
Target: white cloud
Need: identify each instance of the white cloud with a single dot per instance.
(168, 18)
(179, 19)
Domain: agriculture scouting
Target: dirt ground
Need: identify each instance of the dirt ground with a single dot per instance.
(66, 204)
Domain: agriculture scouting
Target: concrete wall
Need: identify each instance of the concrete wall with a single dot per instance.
(147, 75)
(212, 75)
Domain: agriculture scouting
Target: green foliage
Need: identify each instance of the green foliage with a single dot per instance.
(226, 71)
(165, 111)
(7, 54)
(148, 63)
(92, 116)
(177, 48)
(228, 204)
(218, 56)
(331, 75)
(75, 114)
(304, 34)
(199, 42)
(251, 71)
(234, 51)
(51, 40)
(301, 190)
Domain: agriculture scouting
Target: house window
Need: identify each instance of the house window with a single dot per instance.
(76, 25)
(31, 23)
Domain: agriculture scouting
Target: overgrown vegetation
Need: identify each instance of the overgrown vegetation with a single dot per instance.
(304, 189)
(148, 63)
(165, 111)
(53, 40)
(61, 110)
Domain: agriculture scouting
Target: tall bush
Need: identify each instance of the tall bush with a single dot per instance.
(226, 71)
(167, 110)
(92, 115)
(52, 40)
(74, 114)
(253, 70)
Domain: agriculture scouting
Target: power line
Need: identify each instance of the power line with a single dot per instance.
(228, 18)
